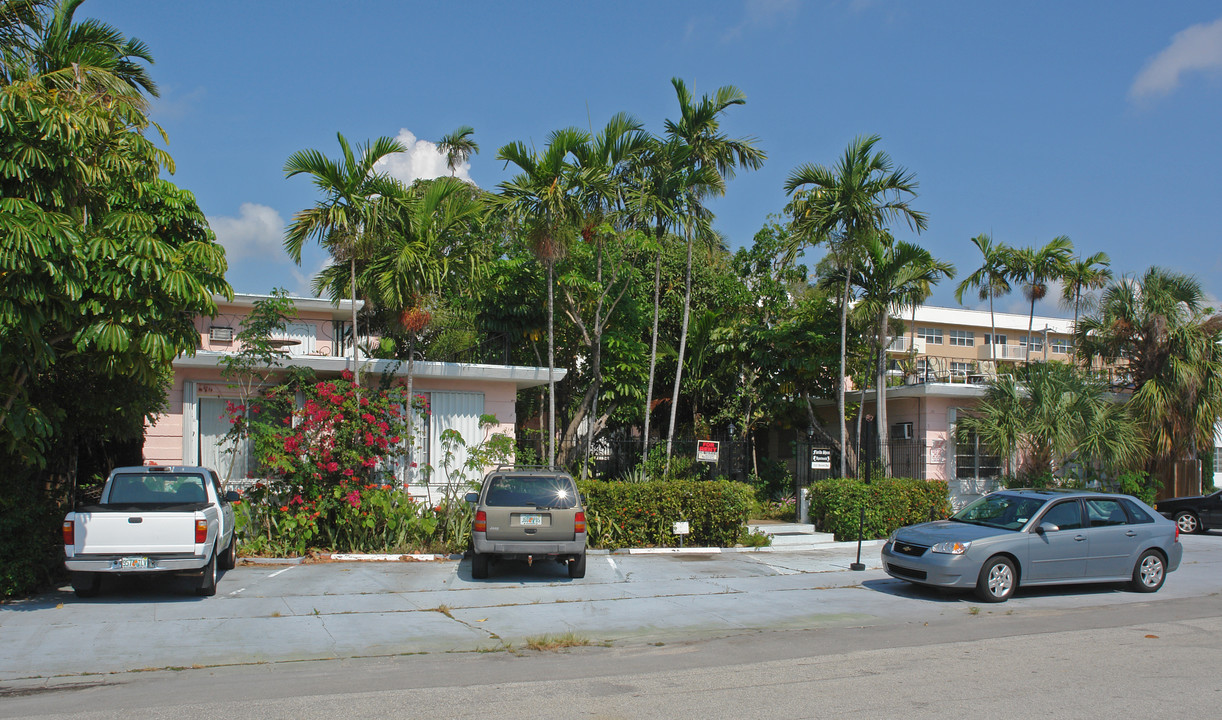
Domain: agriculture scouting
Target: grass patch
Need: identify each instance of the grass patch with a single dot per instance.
(444, 610)
(553, 643)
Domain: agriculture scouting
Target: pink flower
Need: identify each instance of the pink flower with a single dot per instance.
(354, 498)
(346, 374)
(348, 472)
(332, 466)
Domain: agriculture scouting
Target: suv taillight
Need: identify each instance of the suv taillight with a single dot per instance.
(481, 522)
(201, 531)
(69, 533)
(579, 522)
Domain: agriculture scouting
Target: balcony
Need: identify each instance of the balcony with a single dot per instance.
(1006, 352)
(901, 345)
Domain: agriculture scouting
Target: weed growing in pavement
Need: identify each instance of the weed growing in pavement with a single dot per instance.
(556, 642)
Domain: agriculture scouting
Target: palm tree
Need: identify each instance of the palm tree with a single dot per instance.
(57, 52)
(991, 279)
(712, 157)
(845, 205)
(1034, 268)
(458, 147)
(1082, 276)
(890, 275)
(352, 210)
(1164, 338)
(543, 198)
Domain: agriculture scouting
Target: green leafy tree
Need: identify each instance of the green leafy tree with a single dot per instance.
(1082, 276)
(458, 147)
(844, 205)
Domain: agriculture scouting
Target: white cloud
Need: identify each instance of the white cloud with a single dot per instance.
(258, 232)
(1196, 48)
(422, 161)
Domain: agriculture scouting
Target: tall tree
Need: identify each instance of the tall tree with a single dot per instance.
(1164, 339)
(1082, 276)
(355, 202)
(1035, 268)
(991, 279)
(845, 204)
(544, 201)
(714, 156)
(458, 147)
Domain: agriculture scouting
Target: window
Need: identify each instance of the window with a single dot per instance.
(962, 338)
(932, 336)
(1104, 512)
(960, 369)
(1066, 515)
(1217, 462)
(1137, 516)
(972, 459)
(1001, 339)
(1061, 345)
(1037, 343)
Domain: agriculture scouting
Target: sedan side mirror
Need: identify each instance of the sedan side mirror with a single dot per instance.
(1044, 528)
(471, 497)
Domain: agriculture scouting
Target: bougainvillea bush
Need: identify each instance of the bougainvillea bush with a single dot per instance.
(329, 464)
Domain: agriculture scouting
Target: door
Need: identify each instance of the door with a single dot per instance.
(1113, 542)
(1211, 510)
(458, 412)
(1059, 554)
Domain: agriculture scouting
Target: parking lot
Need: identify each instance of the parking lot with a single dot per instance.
(281, 612)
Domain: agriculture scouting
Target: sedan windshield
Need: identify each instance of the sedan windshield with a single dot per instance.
(1009, 512)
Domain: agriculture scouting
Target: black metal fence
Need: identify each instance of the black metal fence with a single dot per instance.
(816, 460)
(613, 459)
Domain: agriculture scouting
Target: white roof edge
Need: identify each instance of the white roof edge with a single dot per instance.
(980, 318)
(301, 303)
(521, 376)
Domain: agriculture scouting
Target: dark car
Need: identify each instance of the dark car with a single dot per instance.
(1193, 514)
(1014, 538)
(528, 514)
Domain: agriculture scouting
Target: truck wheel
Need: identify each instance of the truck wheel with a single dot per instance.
(207, 581)
(577, 566)
(479, 565)
(229, 558)
(86, 584)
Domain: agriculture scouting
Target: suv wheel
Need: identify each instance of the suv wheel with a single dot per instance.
(479, 565)
(577, 566)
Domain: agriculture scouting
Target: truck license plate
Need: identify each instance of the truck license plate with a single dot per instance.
(132, 563)
(532, 519)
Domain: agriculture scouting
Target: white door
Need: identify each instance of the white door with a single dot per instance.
(303, 334)
(459, 411)
(213, 424)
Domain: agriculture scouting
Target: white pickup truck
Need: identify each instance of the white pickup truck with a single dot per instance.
(152, 519)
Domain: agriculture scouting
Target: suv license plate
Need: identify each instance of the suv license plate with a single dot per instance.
(531, 520)
(132, 563)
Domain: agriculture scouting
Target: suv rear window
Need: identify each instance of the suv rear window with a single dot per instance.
(541, 491)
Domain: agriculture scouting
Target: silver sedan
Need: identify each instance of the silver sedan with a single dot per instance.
(1038, 537)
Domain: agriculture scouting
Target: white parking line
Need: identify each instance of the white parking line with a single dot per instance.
(779, 569)
(235, 592)
(278, 572)
(612, 564)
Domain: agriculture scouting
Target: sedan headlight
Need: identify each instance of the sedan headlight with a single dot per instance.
(953, 547)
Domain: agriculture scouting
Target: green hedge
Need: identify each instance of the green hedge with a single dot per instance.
(623, 514)
(31, 545)
(835, 505)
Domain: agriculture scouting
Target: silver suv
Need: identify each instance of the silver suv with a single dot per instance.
(528, 514)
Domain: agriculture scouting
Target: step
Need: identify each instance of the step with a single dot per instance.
(802, 540)
(783, 528)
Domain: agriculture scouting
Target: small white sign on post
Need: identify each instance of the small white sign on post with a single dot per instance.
(820, 458)
(682, 528)
(707, 450)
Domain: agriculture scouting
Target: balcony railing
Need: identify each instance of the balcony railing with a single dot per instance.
(904, 343)
(1006, 352)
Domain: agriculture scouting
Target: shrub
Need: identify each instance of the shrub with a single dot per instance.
(890, 503)
(620, 514)
(30, 543)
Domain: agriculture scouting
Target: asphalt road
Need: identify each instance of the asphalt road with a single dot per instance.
(736, 635)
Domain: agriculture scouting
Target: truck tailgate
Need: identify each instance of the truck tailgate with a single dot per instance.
(142, 533)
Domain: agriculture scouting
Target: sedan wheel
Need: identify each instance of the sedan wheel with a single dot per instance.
(997, 580)
(1149, 573)
(1188, 523)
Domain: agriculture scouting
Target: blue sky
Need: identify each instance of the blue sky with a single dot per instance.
(1096, 120)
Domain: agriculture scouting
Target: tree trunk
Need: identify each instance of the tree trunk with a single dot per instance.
(411, 409)
(844, 329)
(356, 369)
(687, 306)
(653, 348)
(880, 394)
(551, 365)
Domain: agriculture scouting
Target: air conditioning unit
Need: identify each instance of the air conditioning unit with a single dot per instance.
(901, 431)
(220, 334)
